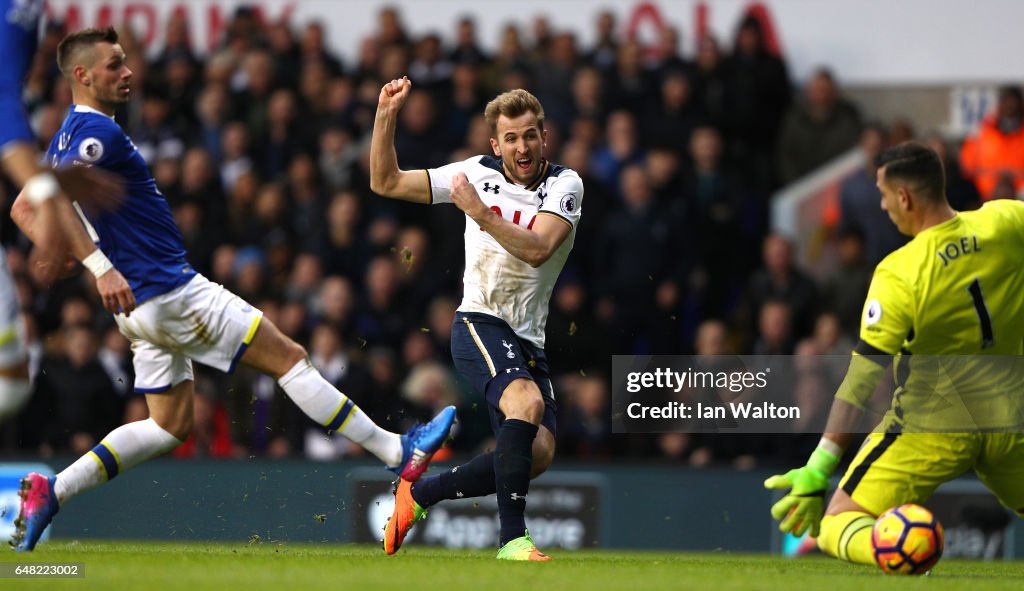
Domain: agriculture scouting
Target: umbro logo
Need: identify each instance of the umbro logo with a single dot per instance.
(494, 189)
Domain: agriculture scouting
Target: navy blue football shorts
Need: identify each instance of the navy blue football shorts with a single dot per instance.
(489, 354)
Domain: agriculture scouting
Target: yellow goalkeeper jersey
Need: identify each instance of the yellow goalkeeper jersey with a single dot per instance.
(950, 305)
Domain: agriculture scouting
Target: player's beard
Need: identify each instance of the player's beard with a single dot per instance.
(116, 97)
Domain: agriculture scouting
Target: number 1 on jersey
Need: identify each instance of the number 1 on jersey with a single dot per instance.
(987, 338)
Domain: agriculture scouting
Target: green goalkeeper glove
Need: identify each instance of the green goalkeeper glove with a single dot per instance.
(802, 508)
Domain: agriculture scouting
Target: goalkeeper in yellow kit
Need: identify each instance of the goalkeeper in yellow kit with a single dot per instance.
(948, 310)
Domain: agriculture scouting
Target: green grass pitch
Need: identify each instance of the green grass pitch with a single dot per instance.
(269, 565)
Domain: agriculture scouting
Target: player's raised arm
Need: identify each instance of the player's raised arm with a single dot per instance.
(386, 179)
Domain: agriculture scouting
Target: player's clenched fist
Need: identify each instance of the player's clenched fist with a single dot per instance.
(465, 197)
(394, 93)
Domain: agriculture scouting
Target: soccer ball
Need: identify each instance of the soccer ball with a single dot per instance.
(907, 540)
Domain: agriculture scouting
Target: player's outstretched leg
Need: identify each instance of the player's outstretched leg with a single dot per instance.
(37, 507)
(273, 353)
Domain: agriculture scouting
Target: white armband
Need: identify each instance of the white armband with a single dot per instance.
(97, 263)
(41, 187)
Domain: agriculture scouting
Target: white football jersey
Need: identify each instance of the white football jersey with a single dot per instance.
(495, 282)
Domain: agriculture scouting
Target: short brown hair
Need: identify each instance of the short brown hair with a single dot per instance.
(512, 104)
(70, 48)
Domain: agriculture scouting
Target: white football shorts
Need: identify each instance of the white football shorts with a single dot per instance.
(199, 321)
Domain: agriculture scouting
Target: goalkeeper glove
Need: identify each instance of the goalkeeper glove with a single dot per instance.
(801, 509)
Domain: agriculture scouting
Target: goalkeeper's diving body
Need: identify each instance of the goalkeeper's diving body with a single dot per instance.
(946, 309)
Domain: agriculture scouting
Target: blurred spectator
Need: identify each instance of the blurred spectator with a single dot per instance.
(466, 51)
(511, 59)
(576, 341)
(606, 46)
(212, 110)
(344, 251)
(236, 160)
(154, 135)
(390, 30)
(630, 85)
(284, 52)
(774, 329)
(553, 78)
(639, 253)
(430, 69)
(780, 280)
(588, 94)
(115, 356)
(312, 49)
(716, 209)
(75, 402)
(585, 419)
(306, 202)
(621, 147)
(996, 150)
(419, 278)
(670, 123)
(252, 89)
(378, 319)
(430, 387)
(417, 140)
(465, 102)
(709, 86)
(846, 287)
(961, 192)
(665, 58)
(339, 156)
(817, 130)
(757, 94)
(860, 207)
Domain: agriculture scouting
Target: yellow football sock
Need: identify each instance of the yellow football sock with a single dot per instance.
(847, 536)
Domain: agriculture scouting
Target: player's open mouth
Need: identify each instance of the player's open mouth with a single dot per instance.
(524, 163)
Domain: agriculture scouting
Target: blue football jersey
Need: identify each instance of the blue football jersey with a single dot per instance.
(139, 237)
(19, 35)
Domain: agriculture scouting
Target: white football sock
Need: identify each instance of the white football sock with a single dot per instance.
(125, 447)
(324, 404)
(14, 392)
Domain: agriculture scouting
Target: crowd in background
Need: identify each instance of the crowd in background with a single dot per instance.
(261, 149)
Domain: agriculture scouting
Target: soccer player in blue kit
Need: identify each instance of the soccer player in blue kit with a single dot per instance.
(171, 314)
(19, 35)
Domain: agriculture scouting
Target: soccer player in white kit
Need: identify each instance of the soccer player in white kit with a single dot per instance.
(171, 314)
(521, 217)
